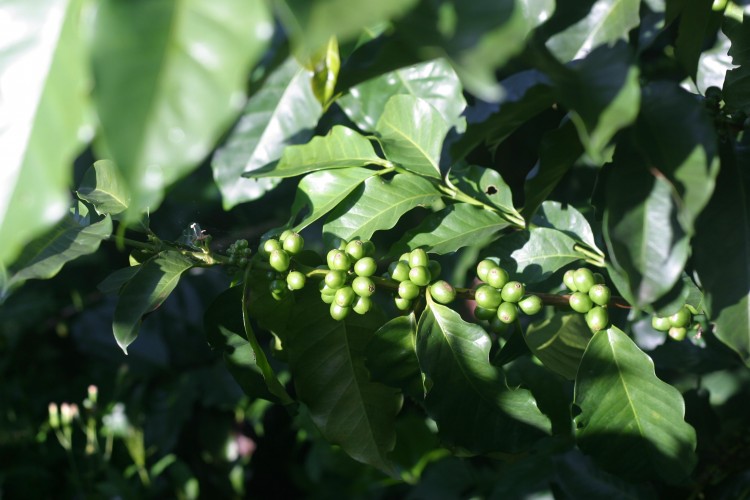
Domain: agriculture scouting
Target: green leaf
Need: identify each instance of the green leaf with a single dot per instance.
(115, 281)
(392, 358)
(102, 186)
(412, 132)
(532, 256)
(43, 70)
(607, 22)
(694, 23)
(169, 79)
(327, 364)
(454, 227)
(341, 148)
(151, 285)
(487, 186)
(644, 238)
(44, 256)
(722, 254)
(559, 342)
(736, 84)
(434, 81)
(454, 357)
(567, 219)
(378, 204)
(283, 111)
(631, 422)
(322, 191)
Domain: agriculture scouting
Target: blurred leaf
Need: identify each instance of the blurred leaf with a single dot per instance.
(326, 67)
(392, 358)
(378, 204)
(146, 291)
(488, 186)
(341, 148)
(326, 358)
(694, 22)
(559, 342)
(454, 227)
(102, 187)
(532, 256)
(607, 22)
(44, 256)
(283, 111)
(322, 191)
(567, 219)
(434, 81)
(736, 84)
(411, 133)
(454, 357)
(43, 70)
(632, 423)
(114, 282)
(169, 80)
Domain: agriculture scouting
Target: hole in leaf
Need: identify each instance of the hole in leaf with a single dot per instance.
(490, 190)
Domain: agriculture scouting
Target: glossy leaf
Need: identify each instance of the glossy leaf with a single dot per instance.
(322, 191)
(452, 228)
(191, 60)
(532, 256)
(631, 422)
(283, 111)
(559, 342)
(378, 204)
(606, 22)
(44, 256)
(43, 71)
(102, 186)
(434, 81)
(487, 186)
(151, 285)
(115, 281)
(567, 219)
(454, 357)
(391, 355)
(341, 148)
(411, 132)
(327, 364)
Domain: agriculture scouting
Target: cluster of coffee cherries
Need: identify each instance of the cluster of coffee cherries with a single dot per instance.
(239, 253)
(675, 325)
(413, 271)
(279, 252)
(499, 299)
(589, 296)
(348, 284)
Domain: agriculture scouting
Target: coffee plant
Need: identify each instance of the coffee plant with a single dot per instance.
(515, 232)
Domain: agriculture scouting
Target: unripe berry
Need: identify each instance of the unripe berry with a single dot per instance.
(369, 248)
(513, 291)
(598, 278)
(278, 289)
(270, 245)
(355, 249)
(366, 266)
(600, 294)
(399, 271)
(329, 257)
(296, 280)
(569, 281)
(483, 313)
(681, 319)
(362, 305)
(340, 261)
(279, 260)
(497, 277)
(363, 286)
(584, 279)
(507, 312)
(484, 267)
(531, 304)
(678, 332)
(335, 279)
(327, 297)
(418, 257)
(420, 276)
(487, 297)
(408, 290)
(338, 312)
(580, 302)
(597, 318)
(498, 326)
(344, 296)
(285, 234)
(294, 243)
(660, 324)
(443, 292)
(402, 304)
(435, 268)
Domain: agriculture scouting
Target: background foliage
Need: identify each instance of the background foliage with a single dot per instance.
(550, 135)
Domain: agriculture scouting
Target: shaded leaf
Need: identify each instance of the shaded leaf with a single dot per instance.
(151, 285)
(114, 282)
(378, 204)
(391, 355)
(567, 219)
(736, 84)
(454, 357)
(559, 342)
(341, 148)
(694, 23)
(283, 111)
(191, 60)
(411, 133)
(43, 70)
(102, 187)
(631, 422)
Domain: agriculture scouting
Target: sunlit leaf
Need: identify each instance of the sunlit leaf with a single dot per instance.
(567, 219)
(487, 186)
(102, 187)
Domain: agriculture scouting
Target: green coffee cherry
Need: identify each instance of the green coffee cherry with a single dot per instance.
(327, 298)
(278, 289)
(344, 296)
(660, 324)
(600, 295)
(569, 281)
(677, 333)
(402, 304)
(293, 243)
(362, 305)
(279, 260)
(296, 280)
(369, 248)
(597, 318)
(531, 304)
(366, 266)
(418, 257)
(598, 278)
(435, 268)
(420, 276)
(498, 326)
(487, 297)
(399, 271)
(484, 267)
(580, 302)
(513, 291)
(584, 279)
(338, 312)
(340, 261)
(483, 313)
(329, 257)
(408, 290)
(355, 249)
(285, 234)
(270, 245)
(363, 286)
(681, 319)
(335, 279)
(443, 292)
(404, 257)
(497, 277)
(507, 312)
